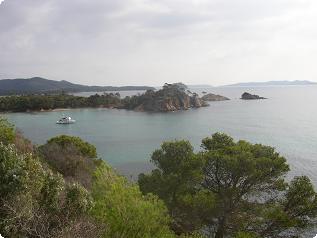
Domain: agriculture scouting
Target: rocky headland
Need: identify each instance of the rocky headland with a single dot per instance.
(172, 97)
(248, 96)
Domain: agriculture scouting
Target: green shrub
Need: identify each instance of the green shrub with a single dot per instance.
(78, 200)
(7, 133)
(11, 170)
(74, 158)
(124, 210)
(83, 147)
(36, 202)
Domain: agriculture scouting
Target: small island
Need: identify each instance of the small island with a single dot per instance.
(214, 97)
(172, 97)
(249, 96)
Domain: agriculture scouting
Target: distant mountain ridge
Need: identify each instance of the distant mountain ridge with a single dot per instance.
(272, 83)
(41, 85)
(199, 86)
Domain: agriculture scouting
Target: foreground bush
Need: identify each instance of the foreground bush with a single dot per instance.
(125, 210)
(62, 190)
(35, 202)
(72, 157)
(6, 132)
(82, 147)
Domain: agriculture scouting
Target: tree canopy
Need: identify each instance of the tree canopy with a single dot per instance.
(245, 193)
(24, 103)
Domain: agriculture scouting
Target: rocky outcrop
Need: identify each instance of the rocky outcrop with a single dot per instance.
(173, 97)
(248, 96)
(214, 97)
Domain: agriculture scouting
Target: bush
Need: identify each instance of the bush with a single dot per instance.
(78, 200)
(36, 202)
(11, 171)
(70, 162)
(125, 211)
(7, 133)
(83, 147)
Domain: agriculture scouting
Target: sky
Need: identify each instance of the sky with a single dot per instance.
(151, 42)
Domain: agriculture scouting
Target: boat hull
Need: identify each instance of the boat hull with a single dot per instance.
(66, 122)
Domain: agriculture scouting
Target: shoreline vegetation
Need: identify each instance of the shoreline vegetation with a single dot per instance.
(231, 189)
(172, 97)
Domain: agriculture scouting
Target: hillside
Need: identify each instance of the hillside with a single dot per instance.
(40, 85)
(272, 83)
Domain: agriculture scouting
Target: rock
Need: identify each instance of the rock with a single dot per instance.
(214, 97)
(248, 96)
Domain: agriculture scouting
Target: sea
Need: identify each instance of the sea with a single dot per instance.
(287, 120)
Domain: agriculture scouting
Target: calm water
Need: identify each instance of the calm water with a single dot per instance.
(287, 121)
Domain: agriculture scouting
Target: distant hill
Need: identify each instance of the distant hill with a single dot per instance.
(40, 85)
(272, 83)
(199, 86)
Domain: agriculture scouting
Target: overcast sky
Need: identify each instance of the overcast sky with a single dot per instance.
(150, 42)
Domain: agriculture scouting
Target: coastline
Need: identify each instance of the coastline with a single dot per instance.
(55, 110)
(61, 109)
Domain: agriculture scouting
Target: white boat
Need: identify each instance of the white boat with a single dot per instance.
(65, 120)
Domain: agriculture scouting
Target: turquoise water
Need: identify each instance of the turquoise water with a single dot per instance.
(287, 121)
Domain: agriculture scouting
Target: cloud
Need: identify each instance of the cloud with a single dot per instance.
(155, 41)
